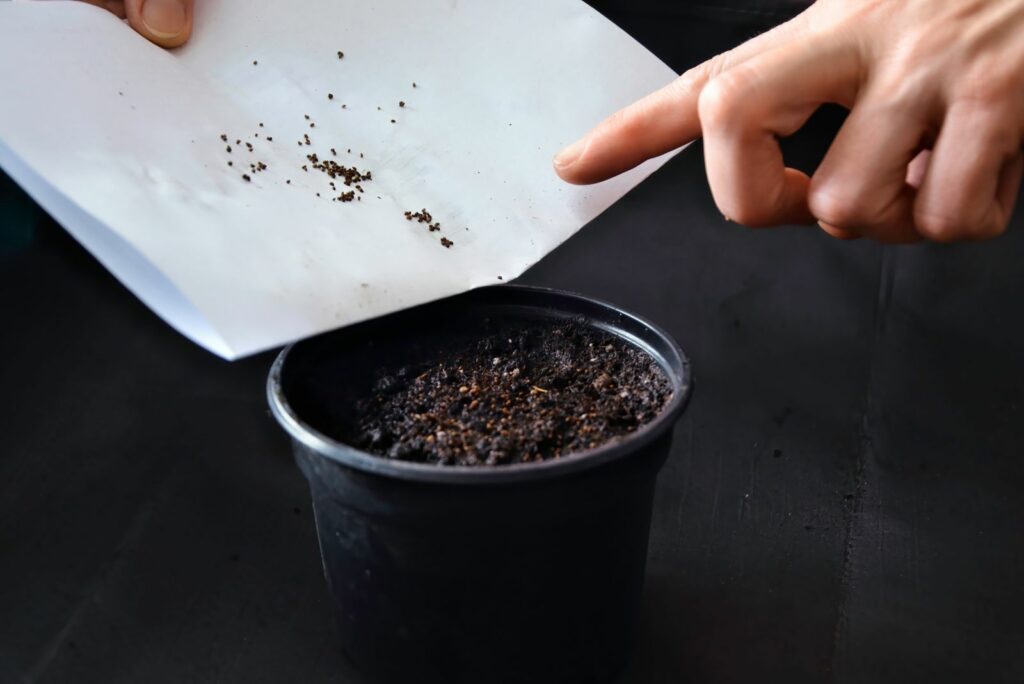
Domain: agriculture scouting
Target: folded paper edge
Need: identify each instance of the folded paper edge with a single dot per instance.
(136, 272)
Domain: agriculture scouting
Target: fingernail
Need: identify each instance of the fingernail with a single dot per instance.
(164, 18)
(570, 154)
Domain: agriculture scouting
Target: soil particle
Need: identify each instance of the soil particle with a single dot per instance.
(526, 395)
(350, 175)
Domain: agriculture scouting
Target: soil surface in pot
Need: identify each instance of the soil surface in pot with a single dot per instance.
(526, 394)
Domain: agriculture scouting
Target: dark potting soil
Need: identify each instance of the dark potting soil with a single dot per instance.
(527, 394)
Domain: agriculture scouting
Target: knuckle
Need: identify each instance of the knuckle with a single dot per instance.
(715, 65)
(908, 80)
(942, 226)
(950, 227)
(686, 87)
(905, 90)
(993, 230)
(840, 209)
(987, 92)
(746, 216)
(692, 80)
(994, 126)
(989, 230)
(987, 79)
(918, 45)
(628, 122)
(837, 233)
(720, 103)
(745, 212)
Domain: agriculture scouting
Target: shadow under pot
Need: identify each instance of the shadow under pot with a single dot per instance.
(451, 560)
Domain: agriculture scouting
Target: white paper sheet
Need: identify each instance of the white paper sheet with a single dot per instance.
(120, 141)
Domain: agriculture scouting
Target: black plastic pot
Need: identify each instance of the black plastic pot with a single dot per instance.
(520, 573)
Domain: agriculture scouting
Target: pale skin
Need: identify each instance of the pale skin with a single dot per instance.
(167, 23)
(931, 148)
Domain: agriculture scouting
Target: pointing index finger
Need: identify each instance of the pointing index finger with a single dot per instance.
(661, 121)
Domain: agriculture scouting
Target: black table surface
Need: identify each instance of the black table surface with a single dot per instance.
(844, 501)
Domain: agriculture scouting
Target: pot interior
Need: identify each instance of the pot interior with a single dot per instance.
(322, 379)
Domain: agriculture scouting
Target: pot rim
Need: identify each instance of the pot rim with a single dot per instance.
(351, 457)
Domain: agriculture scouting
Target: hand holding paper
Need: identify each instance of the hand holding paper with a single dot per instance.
(167, 23)
(126, 145)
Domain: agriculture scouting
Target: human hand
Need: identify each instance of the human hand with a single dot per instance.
(167, 23)
(931, 147)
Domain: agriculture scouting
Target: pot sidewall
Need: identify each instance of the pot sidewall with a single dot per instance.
(551, 571)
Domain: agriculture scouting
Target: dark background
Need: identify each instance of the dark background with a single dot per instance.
(843, 502)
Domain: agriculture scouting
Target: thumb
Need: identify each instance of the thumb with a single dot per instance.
(167, 23)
